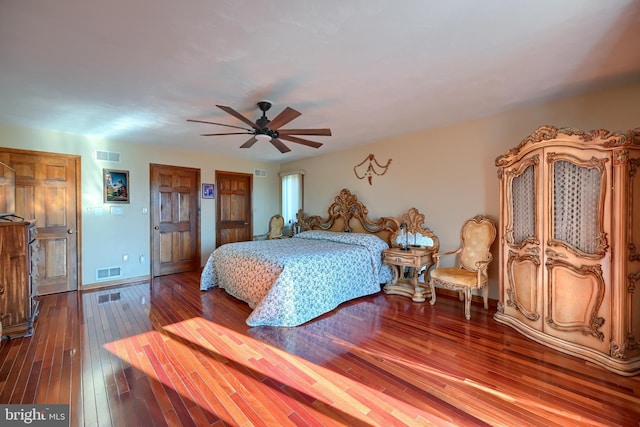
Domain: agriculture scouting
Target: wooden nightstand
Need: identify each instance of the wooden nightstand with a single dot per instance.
(415, 258)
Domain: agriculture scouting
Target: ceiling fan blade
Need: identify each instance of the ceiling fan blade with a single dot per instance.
(279, 145)
(230, 133)
(283, 118)
(301, 141)
(237, 115)
(214, 123)
(249, 143)
(318, 132)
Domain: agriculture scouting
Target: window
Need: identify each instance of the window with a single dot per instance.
(292, 192)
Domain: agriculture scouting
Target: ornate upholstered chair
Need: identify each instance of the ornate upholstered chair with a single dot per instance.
(474, 257)
(276, 225)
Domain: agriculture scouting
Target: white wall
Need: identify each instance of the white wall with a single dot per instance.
(107, 237)
(449, 173)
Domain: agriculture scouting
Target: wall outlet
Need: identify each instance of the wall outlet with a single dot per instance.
(125, 257)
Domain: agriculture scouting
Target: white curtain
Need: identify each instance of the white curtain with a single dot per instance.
(292, 183)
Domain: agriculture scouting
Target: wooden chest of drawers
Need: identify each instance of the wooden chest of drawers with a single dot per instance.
(18, 274)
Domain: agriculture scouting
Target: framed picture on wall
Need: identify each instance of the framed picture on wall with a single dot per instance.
(116, 186)
(208, 191)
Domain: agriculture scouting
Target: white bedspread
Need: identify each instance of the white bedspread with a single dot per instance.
(288, 282)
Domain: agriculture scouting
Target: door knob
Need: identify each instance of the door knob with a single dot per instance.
(69, 231)
(157, 227)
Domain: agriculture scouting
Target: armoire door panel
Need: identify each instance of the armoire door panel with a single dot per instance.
(522, 242)
(632, 199)
(522, 202)
(578, 189)
(577, 305)
(576, 247)
(631, 347)
(523, 294)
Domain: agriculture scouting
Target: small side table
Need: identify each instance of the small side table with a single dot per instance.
(415, 258)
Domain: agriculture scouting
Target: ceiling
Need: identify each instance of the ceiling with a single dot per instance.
(136, 70)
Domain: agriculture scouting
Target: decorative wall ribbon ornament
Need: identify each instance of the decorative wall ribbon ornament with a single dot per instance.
(372, 168)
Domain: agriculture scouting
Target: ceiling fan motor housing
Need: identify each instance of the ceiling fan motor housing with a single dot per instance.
(262, 122)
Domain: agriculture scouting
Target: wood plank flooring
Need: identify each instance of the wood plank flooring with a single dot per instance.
(166, 354)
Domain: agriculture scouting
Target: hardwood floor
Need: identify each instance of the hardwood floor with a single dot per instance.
(168, 354)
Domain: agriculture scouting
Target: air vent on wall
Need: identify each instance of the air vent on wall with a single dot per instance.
(108, 273)
(260, 172)
(108, 156)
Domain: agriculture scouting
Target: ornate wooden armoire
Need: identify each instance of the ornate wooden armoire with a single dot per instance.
(569, 265)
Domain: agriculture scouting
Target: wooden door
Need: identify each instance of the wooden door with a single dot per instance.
(175, 219)
(47, 188)
(233, 207)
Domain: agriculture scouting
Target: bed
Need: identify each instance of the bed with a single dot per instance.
(288, 282)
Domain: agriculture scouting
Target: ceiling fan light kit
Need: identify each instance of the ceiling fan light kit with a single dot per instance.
(269, 130)
(263, 137)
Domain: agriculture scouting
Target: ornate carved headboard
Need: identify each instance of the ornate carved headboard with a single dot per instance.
(347, 214)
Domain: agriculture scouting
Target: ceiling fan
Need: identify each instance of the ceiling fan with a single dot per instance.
(269, 130)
